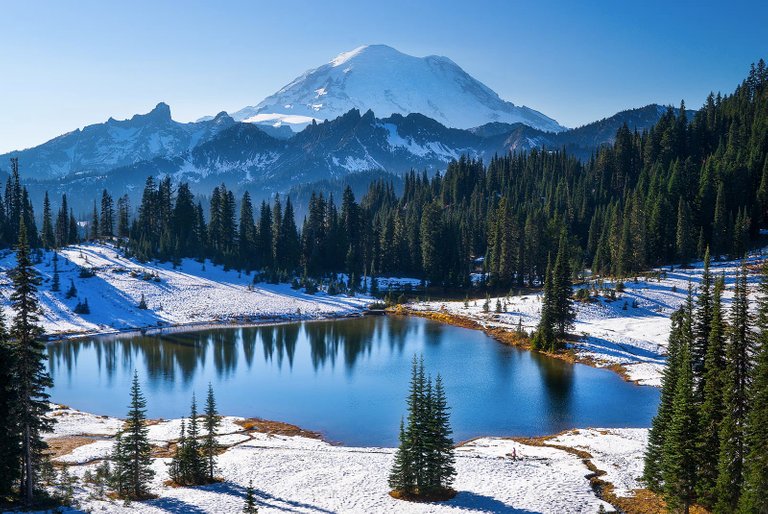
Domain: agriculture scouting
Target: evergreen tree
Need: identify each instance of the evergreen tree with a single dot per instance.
(47, 236)
(652, 472)
(10, 442)
(754, 492)
(94, 226)
(712, 408)
(135, 456)
(30, 375)
(679, 450)
(441, 444)
(545, 338)
(424, 461)
(250, 500)
(211, 423)
(123, 216)
(107, 215)
(732, 443)
(56, 280)
(402, 478)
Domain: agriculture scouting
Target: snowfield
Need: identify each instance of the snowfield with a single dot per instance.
(630, 331)
(305, 475)
(194, 293)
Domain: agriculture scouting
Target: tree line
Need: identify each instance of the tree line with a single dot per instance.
(708, 441)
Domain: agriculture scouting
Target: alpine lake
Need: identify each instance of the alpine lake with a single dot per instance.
(347, 379)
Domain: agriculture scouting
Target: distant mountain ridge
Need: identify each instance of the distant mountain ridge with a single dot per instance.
(106, 146)
(244, 156)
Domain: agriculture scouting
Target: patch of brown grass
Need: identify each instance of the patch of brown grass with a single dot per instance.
(266, 426)
(60, 446)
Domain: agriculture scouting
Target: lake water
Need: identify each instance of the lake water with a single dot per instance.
(347, 379)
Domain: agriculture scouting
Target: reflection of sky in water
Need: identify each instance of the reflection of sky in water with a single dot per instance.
(347, 378)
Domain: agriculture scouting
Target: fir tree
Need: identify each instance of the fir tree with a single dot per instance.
(250, 500)
(754, 492)
(211, 422)
(30, 376)
(55, 281)
(10, 442)
(134, 457)
(679, 450)
(732, 444)
(712, 409)
(652, 472)
(442, 459)
(47, 236)
(424, 461)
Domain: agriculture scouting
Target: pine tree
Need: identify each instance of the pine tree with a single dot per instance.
(732, 444)
(94, 227)
(47, 236)
(178, 466)
(30, 376)
(107, 215)
(56, 280)
(712, 409)
(250, 500)
(702, 325)
(211, 423)
(442, 443)
(402, 477)
(424, 461)
(10, 442)
(135, 458)
(679, 450)
(652, 472)
(545, 338)
(754, 492)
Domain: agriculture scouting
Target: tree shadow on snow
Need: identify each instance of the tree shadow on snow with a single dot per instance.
(480, 503)
(267, 500)
(175, 506)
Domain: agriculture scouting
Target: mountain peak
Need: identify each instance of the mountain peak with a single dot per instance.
(387, 81)
(372, 51)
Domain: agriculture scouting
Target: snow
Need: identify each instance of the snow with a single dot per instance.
(634, 337)
(305, 475)
(193, 294)
(379, 78)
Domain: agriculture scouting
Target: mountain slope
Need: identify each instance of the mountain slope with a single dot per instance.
(105, 146)
(381, 79)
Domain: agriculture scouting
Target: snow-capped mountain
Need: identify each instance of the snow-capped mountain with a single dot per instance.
(386, 81)
(105, 146)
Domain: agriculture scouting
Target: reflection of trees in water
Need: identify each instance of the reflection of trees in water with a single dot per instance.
(175, 358)
(557, 378)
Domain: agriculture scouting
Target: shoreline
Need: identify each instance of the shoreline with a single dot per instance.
(577, 456)
(235, 322)
(510, 338)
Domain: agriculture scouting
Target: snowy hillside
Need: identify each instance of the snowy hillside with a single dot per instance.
(629, 332)
(381, 79)
(192, 294)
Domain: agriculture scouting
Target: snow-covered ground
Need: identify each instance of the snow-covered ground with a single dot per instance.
(630, 331)
(305, 475)
(191, 294)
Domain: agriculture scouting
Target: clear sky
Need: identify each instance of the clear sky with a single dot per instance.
(68, 64)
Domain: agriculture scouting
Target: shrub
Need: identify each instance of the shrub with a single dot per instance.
(143, 303)
(85, 272)
(82, 307)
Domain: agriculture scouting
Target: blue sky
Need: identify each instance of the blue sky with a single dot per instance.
(68, 64)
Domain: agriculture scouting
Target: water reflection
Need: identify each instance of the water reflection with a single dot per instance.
(347, 378)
